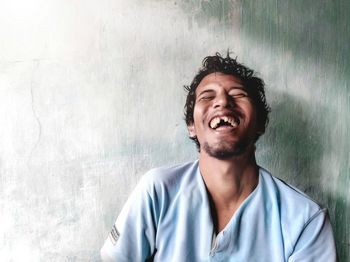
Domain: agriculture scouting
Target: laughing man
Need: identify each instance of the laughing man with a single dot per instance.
(222, 207)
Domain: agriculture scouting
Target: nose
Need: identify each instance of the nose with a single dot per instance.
(223, 100)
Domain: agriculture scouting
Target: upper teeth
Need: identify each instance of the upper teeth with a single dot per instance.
(216, 120)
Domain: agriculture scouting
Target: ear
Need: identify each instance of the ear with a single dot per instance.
(191, 130)
(261, 129)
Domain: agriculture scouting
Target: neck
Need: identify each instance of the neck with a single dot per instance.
(229, 181)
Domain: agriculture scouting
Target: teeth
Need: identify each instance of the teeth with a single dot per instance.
(215, 122)
(232, 122)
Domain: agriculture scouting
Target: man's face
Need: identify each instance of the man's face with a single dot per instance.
(224, 117)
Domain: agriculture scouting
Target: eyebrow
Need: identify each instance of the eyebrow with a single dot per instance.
(240, 88)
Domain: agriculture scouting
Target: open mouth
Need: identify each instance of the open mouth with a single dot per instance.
(223, 121)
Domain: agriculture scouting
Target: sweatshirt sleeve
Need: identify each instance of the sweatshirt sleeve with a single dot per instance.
(132, 237)
(316, 241)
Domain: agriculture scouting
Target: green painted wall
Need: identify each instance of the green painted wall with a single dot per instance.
(91, 97)
(303, 50)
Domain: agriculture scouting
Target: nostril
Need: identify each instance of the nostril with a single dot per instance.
(222, 100)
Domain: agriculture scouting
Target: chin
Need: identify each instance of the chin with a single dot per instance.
(225, 151)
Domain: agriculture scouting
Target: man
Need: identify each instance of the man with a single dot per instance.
(223, 207)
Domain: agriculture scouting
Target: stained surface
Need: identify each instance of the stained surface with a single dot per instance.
(304, 54)
(91, 97)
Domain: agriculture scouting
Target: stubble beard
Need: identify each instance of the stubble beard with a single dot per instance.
(223, 151)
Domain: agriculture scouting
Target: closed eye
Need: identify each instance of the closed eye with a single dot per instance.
(206, 95)
(206, 98)
(238, 93)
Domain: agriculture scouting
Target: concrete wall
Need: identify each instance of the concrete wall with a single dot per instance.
(91, 97)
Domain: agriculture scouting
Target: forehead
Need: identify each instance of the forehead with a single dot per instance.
(219, 80)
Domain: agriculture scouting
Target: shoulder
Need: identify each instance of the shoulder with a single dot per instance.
(172, 170)
(289, 197)
(294, 207)
(170, 177)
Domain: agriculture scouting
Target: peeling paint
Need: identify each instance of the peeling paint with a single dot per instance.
(91, 97)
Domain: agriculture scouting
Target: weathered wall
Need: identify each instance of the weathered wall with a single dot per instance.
(91, 97)
(303, 53)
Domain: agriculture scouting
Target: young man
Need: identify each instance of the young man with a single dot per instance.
(223, 207)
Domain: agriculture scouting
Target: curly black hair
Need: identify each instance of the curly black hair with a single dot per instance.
(227, 65)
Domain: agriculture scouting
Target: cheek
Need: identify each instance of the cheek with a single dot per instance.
(197, 114)
(254, 119)
(249, 110)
